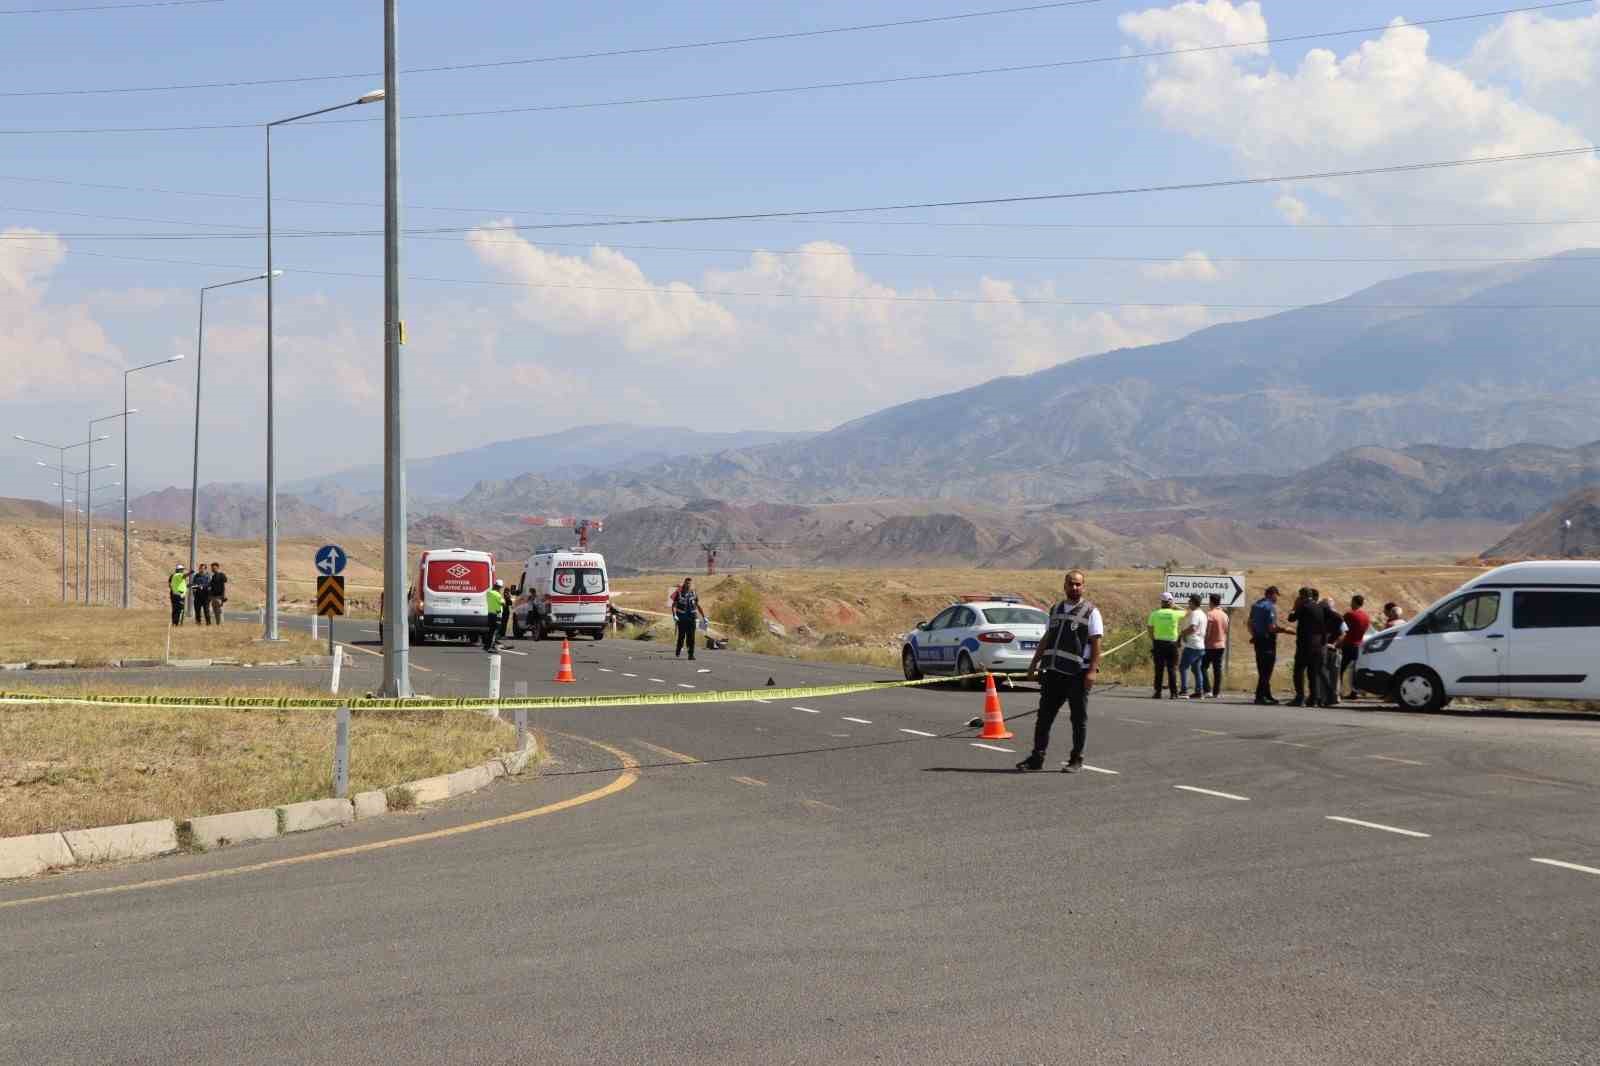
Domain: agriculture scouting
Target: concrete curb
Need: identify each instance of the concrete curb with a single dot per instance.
(28, 856)
(144, 664)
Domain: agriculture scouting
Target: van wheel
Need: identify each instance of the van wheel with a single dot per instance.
(964, 666)
(600, 634)
(908, 663)
(1417, 688)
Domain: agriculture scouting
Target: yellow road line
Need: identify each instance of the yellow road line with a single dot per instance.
(757, 782)
(668, 752)
(623, 780)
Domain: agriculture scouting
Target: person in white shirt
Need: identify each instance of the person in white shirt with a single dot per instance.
(1070, 652)
(1192, 639)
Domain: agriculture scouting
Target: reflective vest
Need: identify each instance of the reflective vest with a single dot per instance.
(1067, 640)
(179, 584)
(496, 602)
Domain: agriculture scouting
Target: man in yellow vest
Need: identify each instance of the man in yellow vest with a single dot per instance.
(1163, 624)
(496, 605)
(178, 587)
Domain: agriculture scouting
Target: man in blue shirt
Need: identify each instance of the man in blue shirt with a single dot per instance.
(1264, 630)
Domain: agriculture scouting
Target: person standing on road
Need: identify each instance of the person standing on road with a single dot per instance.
(1216, 644)
(200, 590)
(1332, 636)
(506, 601)
(685, 608)
(219, 593)
(1193, 639)
(1163, 627)
(1356, 624)
(1309, 628)
(496, 604)
(178, 589)
(1072, 644)
(1264, 630)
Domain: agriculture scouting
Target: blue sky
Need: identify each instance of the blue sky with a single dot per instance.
(563, 335)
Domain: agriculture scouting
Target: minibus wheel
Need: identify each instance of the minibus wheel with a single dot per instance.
(1417, 688)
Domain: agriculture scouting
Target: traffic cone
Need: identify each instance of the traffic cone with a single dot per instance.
(564, 674)
(994, 721)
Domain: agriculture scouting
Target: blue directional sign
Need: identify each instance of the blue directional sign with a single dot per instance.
(331, 559)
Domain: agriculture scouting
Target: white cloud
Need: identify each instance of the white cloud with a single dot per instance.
(1549, 55)
(1192, 266)
(1386, 102)
(46, 349)
(1293, 209)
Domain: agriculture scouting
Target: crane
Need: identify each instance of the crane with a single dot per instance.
(581, 527)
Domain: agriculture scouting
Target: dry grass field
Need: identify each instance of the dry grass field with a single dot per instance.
(94, 636)
(68, 767)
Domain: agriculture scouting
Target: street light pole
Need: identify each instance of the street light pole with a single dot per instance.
(199, 356)
(61, 467)
(397, 639)
(88, 518)
(269, 613)
(125, 375)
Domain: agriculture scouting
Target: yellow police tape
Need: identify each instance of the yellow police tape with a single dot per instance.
(531, 703)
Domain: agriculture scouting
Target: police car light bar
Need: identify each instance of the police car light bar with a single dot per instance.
(994, 598)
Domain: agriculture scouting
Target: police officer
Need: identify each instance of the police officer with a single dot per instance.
(1070, 653)
(178, 587)
(507, 600)
(497, 601)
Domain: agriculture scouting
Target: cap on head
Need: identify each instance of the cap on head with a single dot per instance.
(178, 569)
(1166, 597)
(499, 583)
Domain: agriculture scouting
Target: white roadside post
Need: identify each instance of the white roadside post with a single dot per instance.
(341, 753)
(315, 620)
(338, 661)
(494, 677)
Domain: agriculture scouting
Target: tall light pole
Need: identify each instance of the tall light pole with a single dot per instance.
(397, 639)
(125, 375)
(61, 466)
(79, 503)
(88, 518)
(269, 614)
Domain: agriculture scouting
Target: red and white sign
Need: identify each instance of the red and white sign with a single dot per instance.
(458, 575)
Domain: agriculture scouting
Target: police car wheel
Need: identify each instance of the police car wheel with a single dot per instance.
(964, 666)
(908, 663)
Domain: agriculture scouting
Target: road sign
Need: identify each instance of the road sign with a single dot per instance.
(331, 559)
(1231, 587)
(330, 595)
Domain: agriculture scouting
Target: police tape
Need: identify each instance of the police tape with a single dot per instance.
(466, 703)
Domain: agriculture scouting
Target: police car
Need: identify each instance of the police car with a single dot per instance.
(993, 634)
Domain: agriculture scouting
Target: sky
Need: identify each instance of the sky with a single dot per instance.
(797, 323)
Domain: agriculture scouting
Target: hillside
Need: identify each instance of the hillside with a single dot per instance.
(1547, 536)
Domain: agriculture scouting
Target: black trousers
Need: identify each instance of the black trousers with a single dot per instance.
(1054, 690)
(1164, 654)
(1212, 665)
(1266, 662)
(1308, 674)
(202, 608)
(177, 608)
(685, 637)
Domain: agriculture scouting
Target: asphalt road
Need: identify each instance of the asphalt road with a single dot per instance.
(853, 880)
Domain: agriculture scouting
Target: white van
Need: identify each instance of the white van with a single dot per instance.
(450, 594)
(565, 590)
(1523, 631)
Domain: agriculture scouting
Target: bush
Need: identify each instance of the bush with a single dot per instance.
(746, 614)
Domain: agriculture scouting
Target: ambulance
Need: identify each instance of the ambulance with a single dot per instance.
(562, 590)
(451, 594)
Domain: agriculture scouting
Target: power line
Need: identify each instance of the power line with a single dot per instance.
(680, 290)
(527, 61)
(771, 91)
(1192, 186)
(102, 7)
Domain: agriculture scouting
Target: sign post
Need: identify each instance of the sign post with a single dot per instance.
(1231, 587)
(330, 562)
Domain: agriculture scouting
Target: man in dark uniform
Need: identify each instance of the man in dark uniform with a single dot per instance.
(685, 609)
(1070, 652)
(1308, 617)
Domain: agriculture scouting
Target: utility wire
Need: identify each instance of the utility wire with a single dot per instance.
(101, 7)
(737, 93)
(1192, 186)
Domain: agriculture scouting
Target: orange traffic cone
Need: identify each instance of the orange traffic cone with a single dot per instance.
(994, 721)
(564, 674)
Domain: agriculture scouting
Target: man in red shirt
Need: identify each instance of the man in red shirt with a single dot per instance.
(1356, 623)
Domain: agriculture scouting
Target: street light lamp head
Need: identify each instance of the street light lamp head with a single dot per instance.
(176, 358)
(371, 98)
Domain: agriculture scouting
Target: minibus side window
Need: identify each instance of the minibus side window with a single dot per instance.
(1555, 609)
(1470, 613)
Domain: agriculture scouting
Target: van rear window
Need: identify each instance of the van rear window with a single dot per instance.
(573, 581)
(1541, 609)
(458, 575)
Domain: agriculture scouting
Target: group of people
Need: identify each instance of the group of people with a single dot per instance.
(1327, 643)
(1188, 644)
(209, 589)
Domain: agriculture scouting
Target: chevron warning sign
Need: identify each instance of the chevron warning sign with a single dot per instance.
(330, 595)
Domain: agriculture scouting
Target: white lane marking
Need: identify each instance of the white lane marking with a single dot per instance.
(918, 733)
(808, 710)
(1376, 825)
(1135, 721)
(857, 721)
(703, 670)
(630, 675)
(994, 747)
(1101, 770)
(508, 651)
(766, 701)
(1209, 792)
(1395, 758)
(607, 670)
(1209, 732)
(1568, 866)
(657, 680)
(682, 685)
(1289, 743)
